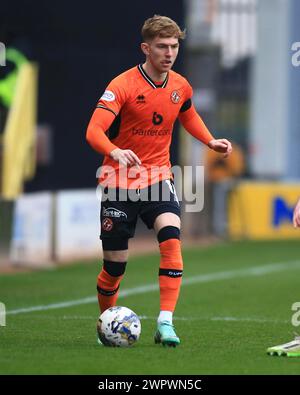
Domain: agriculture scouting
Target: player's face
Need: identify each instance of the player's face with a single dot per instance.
(162, 53)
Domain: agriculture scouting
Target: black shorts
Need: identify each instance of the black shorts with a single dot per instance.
(119, 213)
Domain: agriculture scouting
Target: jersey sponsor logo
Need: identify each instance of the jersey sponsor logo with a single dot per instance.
(151, 132)
(175, 97)
(113, 213)
(108, 96)
(107, 224)
(157, 119)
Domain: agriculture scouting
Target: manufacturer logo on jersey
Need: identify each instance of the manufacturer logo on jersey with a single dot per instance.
(157, 119)
(113, 213)
(175, 97)
(107, 224)
(140, 99)
(108, 96)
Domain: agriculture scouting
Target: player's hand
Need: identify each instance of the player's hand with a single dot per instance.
(125, 157)
(296, 216)
(221, 145)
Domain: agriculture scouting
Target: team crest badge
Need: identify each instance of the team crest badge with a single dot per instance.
(175, 97)
(107, 224)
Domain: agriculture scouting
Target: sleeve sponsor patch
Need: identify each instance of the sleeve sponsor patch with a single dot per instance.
(108, 96)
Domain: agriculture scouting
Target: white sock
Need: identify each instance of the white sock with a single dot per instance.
(165, 316)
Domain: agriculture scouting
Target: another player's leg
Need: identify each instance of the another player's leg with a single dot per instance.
(290, 349)
(167, 227)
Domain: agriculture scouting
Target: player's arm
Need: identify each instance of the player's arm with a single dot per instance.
(296, 216)
(100, 122)
(107, 109)
(194, 124)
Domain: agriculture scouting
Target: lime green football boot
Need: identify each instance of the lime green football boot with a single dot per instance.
(166, 335)
(291, 349)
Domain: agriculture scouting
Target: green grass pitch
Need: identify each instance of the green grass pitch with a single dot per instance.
(235, 302)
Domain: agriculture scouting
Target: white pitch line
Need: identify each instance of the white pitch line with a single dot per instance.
(205, 318)
(199, 318)
(202, 278)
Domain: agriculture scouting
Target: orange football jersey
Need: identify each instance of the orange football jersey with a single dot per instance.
(145, 115)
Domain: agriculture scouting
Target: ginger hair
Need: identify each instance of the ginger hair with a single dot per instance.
(161, 26)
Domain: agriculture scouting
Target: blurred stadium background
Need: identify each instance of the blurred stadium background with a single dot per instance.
(238, 57)
(242, 58)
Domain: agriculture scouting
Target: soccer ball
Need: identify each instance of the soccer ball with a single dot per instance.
(118, 327)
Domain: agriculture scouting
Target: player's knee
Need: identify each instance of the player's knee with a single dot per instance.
(171, 219)
(170, 248)
(116, 256)
(115, 249)
(114, 269)
(167, 233)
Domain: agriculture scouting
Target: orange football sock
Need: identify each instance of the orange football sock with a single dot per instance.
(170, 273)
(108, 290)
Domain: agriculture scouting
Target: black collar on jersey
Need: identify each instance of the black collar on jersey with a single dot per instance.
(150, 81)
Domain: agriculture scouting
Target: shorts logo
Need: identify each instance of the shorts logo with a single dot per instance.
(113, 213)
(108, 96)
(175, 97)
(107, 224)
